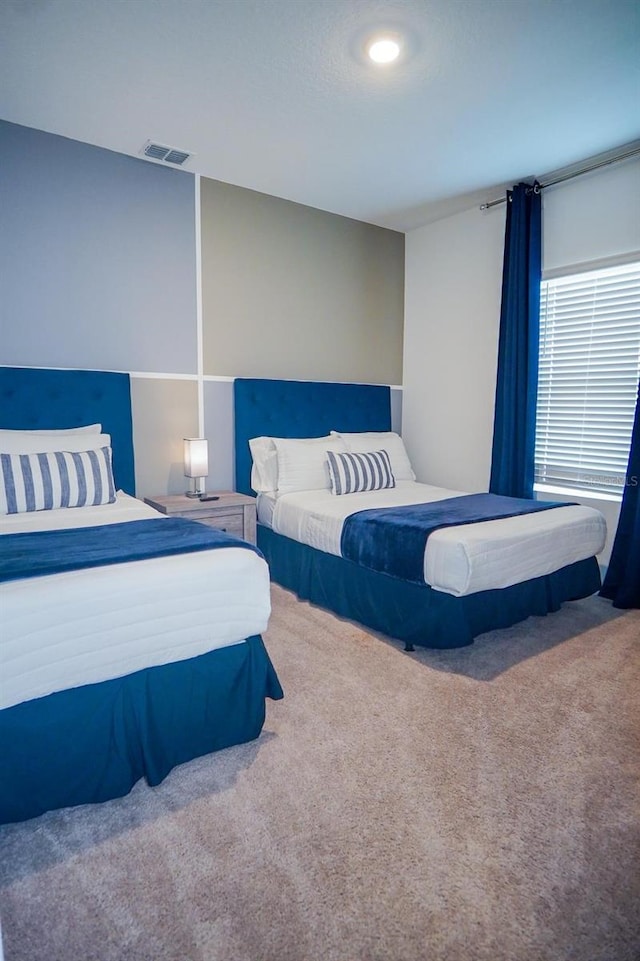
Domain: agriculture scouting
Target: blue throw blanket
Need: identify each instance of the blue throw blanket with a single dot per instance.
(52, 552)
(392, 540)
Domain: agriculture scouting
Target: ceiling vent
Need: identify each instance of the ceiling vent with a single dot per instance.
(169, 155)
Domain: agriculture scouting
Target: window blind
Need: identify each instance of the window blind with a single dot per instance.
(588, 379)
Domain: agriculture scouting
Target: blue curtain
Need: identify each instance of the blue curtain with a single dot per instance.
(512, 458)
(622, 581)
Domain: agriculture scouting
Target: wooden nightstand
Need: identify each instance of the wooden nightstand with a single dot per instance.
(233, 513)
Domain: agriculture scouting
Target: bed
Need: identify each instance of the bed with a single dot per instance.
(120, 671)
(475, 578)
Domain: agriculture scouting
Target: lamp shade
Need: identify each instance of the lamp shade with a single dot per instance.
(196, 457)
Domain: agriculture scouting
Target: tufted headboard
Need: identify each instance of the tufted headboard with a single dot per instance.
(291, 408)
(32, 398)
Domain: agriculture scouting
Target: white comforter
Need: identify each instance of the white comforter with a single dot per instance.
(64, 630)
(458, 560)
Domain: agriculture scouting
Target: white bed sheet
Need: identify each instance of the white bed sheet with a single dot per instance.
(65, 630)
(458, 560)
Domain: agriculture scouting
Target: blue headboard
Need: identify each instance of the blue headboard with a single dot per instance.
(32, 398)
(291, 408)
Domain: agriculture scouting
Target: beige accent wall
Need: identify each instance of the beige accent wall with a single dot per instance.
(294, 292)
(163, 412)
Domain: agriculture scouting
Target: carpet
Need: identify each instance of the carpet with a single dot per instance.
(481, 804)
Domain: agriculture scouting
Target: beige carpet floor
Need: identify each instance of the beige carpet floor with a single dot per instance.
(474, 805)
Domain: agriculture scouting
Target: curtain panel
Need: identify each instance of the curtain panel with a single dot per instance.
(512, 459)
(622, 580)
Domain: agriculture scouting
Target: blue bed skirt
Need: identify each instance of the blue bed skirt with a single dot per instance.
(414, 613)
(93, 743)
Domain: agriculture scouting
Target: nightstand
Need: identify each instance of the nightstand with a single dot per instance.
(233, 513)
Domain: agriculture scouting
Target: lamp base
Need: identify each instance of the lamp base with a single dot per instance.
(197, 487)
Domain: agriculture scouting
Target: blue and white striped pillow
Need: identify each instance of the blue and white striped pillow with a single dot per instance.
(353, 473)
(42, 482)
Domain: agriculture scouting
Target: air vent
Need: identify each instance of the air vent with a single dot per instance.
(177, 157)
(169, 155)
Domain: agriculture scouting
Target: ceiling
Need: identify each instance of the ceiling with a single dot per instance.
(275, 95)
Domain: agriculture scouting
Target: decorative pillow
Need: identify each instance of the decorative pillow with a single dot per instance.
(302, 464)
(51, 479)
(54, 431)
(352, 473)
(25, 443)
(390, 441)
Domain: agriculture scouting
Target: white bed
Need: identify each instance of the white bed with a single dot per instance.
(64, 630)
(125, 668)
(469, 579)
(459, 560)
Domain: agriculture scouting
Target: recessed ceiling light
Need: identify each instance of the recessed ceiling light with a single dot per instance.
(383, 50)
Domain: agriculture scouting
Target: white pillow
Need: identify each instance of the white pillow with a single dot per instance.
(50, 480)
(49, 443)
(302, 464)
(264, 470)
(362, 443)
(89, 429)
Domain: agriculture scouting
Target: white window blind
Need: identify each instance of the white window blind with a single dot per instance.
(588, 379)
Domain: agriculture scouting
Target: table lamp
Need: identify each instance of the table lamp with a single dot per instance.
(196, 463)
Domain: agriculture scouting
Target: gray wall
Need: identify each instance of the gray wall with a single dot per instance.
(97, 254)
(98, 270)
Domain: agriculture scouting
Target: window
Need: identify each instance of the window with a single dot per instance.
(588, 380)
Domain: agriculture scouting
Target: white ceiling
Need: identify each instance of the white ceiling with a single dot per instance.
(275, 95)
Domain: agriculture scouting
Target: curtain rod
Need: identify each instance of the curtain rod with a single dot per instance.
(577, 173)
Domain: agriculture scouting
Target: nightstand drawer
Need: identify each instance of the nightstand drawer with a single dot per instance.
(230, 521)
(226, 510)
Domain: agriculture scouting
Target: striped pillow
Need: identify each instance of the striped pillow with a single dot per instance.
(43, 482)
(353, 473)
